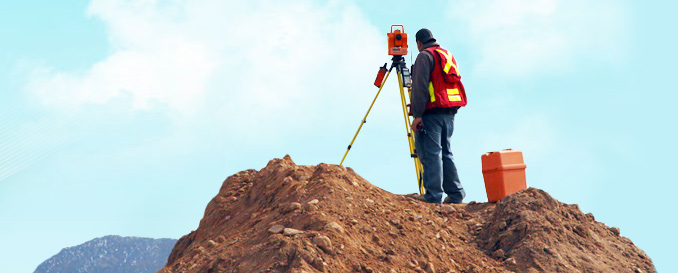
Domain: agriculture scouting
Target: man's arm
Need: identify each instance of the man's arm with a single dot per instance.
(421, 75)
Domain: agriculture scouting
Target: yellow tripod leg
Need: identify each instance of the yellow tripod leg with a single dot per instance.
(410, 138)
(365, 118)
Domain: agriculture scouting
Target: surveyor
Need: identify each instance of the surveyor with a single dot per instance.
(437, 95)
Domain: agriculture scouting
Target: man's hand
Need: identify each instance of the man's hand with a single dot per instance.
(415, 123)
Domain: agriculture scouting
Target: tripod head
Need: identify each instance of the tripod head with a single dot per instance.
(401, 67)
(398, 62)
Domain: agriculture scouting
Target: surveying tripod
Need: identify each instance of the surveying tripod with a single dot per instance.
(404, 80)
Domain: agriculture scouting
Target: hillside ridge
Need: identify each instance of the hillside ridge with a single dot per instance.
(111, 254)
(326, 218)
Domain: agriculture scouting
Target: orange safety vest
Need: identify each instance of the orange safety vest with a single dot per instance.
(445, 88)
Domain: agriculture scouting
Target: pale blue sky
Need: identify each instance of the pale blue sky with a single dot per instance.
(124, 117)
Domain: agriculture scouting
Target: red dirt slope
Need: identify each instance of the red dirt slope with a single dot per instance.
(326, 218)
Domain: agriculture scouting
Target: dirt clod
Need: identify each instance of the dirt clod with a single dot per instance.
(430, 268)
(498, 254)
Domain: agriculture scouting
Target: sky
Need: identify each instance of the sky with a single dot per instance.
(124, 117)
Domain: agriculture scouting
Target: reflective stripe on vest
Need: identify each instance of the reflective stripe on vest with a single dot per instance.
(431, 92)
(452, 94)
(449, 63)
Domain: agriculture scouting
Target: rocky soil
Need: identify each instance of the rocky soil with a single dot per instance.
(326, 218)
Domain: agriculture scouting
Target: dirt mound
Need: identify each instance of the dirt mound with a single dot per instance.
(326, 218)
(541, 233)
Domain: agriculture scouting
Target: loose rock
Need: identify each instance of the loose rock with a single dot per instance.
(212, 243)
(448, 209)
(310, 207)
(549, 250)
(581, 231)
(319, 264)
(287, 180)
(335, 226)
(324, 243)
(275, 229)
(291, 232)
(292, 207)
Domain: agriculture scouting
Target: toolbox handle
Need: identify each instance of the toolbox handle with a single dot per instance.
(489, 153)
(508, 167)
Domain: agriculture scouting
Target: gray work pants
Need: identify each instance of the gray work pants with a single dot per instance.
(434, 152)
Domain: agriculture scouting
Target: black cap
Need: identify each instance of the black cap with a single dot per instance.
(424, 35)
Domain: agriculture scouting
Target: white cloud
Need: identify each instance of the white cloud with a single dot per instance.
(523, 37)
(242, 59)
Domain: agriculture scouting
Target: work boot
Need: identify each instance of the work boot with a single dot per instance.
(418, 197)
(448, 200)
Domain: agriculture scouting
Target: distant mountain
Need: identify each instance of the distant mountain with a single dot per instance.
(111, 254)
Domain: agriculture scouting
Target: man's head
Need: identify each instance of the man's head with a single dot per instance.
(424, 36)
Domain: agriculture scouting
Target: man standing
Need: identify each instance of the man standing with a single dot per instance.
(437, 94)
